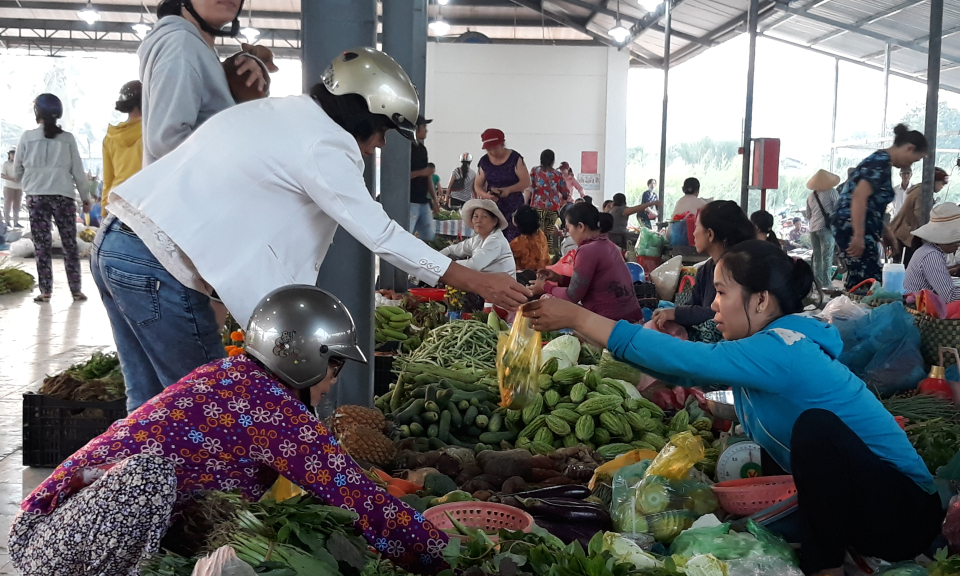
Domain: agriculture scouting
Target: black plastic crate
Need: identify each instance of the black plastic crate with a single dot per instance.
(382, 374)
(54, 429)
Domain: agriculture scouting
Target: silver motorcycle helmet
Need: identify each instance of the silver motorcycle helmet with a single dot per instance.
(295, 331)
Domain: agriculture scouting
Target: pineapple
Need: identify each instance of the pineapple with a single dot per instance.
(347, 417)
(367, 444)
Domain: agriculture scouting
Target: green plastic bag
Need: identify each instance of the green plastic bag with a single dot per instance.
(756, 542)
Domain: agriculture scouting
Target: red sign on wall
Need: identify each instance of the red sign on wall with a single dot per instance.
(588, 162)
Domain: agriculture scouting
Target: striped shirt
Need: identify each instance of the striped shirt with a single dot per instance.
(829, 200)
(928, 271)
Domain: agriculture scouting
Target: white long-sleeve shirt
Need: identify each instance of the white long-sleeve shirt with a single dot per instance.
(490, 254)
(250, 202)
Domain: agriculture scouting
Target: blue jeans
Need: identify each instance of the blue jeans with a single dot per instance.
(163, 330)
(421, 221)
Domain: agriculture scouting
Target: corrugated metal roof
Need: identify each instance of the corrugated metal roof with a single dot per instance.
(854, 30)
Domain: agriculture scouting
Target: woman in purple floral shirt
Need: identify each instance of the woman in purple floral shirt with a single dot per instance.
(232, 424)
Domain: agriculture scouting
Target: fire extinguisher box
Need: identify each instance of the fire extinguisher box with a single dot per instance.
(766, 164)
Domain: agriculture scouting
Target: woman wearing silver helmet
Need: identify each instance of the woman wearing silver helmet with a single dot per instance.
(156, 265)
(254, 413)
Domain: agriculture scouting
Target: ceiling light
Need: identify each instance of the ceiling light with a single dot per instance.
(442, 2)
(250, 33)
(89, 14)
(650, 5)
(439, 27)
(619, 33)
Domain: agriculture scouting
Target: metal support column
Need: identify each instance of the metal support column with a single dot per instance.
(833, 121)
(933, 105)
(405, 39)
(328, 28)
(752, 16)
(667, 27)
(886, 89)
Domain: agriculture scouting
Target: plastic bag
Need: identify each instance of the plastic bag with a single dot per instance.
(23, 248)
(883, 348)
(761, 567)
(666, 277)
(842, 308)
(222, 562)
(518, 364)
(756, 542)
(566, 349)
(662, 497)
(649, 243)
(678, 233)
(564, 266)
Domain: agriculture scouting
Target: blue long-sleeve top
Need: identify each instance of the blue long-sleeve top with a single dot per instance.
(777, 374)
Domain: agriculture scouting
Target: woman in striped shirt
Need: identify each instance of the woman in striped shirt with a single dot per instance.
(928, 267)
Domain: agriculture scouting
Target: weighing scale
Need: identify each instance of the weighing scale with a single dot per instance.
(739, 460)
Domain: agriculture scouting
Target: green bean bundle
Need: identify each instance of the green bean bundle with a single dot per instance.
(459, 344)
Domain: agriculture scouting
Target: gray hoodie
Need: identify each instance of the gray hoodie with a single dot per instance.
(183, 85)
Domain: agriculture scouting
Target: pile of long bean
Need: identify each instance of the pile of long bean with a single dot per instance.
(459, 344)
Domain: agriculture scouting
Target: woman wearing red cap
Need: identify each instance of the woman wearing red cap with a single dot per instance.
(502, 177)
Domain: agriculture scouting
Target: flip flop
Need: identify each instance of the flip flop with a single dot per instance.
(79, 297)
(42, 298)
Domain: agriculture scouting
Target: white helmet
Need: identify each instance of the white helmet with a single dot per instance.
(381, 82)
(466, 157)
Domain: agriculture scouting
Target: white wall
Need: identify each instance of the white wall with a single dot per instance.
(555, 97)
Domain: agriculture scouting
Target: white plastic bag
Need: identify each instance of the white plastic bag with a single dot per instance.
(842, 308)
(23, 248)
(83, 248)
(666, 278)
(223, 562)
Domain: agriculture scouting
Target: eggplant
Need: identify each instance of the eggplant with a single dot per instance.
(581, 532)
(567, 510)
(573, 491)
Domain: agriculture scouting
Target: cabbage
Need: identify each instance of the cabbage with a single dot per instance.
(628, 552)
(566, 349)
(705, 565)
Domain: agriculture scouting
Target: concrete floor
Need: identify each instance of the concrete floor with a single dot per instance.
(37, 340)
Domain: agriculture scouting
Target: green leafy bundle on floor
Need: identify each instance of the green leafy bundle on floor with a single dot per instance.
(13, 279)
(99, 379)
(296, 537)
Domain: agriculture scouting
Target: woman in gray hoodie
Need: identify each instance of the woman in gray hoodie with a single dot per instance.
(184, 83)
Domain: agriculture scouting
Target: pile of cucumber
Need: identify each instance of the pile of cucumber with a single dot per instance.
(393, 324)
(448, 407)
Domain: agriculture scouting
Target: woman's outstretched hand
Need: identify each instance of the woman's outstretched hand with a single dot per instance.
(552, 314)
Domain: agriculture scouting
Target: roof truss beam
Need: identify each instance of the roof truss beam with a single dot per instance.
(869, 20)
(123, 9)
(910, 44)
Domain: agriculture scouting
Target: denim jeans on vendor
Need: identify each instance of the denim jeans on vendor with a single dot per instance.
(421, 221)
(822, 259)
(163, 330)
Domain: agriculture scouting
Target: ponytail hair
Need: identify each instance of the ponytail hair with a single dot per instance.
(605, 220)
(763, 220)
(729, 224)
(47, 108)
(758, 266)
(903, 135)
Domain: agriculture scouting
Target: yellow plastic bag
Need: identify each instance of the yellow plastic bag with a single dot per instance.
(605, 472)
(518, 364)
(677, 457)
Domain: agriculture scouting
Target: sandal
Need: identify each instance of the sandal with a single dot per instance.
(42, 298)
(79, 297)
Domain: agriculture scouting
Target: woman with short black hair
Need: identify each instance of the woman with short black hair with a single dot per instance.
(795, 398)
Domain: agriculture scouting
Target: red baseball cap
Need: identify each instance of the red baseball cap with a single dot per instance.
(492, 137)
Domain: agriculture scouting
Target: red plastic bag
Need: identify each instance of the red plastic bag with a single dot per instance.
(564, 266)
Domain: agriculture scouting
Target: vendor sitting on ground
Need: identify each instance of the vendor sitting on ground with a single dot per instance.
(232, 424)
(487, 250)
(530, 251)
(793, 397)
(928, 267)
(601, 281)
(721, 225)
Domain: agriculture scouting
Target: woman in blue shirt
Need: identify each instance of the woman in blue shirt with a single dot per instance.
(858, 222)
(859, 481)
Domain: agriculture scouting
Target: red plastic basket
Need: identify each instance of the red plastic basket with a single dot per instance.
(751, 495)
(487, 516)
(429, 294)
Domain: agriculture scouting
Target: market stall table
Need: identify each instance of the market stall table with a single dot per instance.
(456, 228)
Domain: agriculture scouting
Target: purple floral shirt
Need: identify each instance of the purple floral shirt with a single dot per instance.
(229, 425)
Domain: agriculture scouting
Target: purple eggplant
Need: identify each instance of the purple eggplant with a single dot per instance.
(574, 491)
(566, 510)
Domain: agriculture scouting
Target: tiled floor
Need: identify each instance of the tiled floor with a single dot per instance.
(37, 340)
